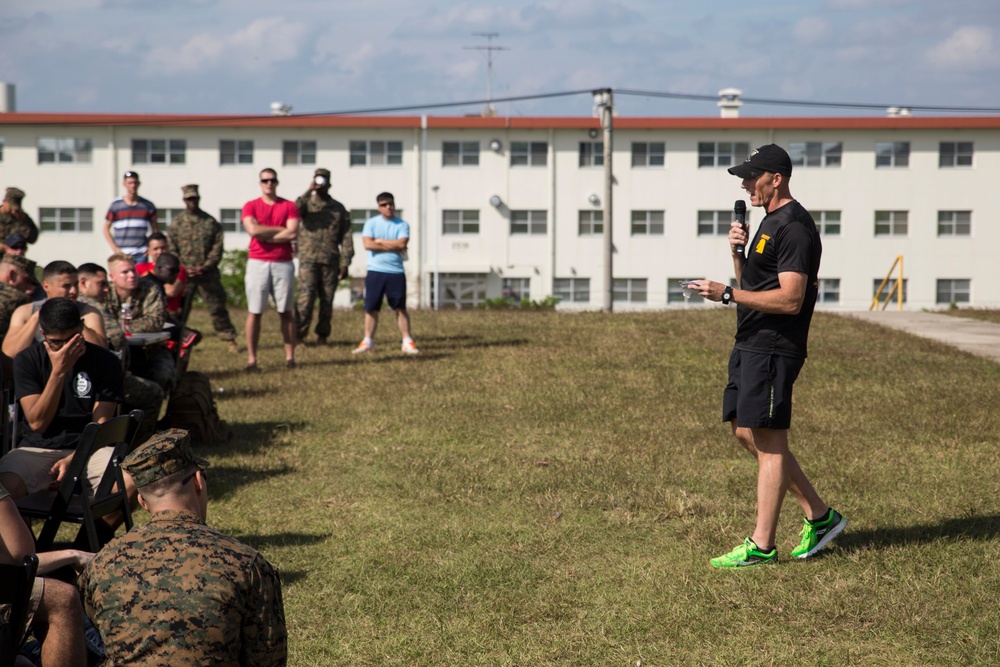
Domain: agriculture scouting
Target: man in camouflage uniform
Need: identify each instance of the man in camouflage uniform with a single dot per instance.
(149, 312)
(196, 238)
(13, 218)
(13, 269)
(325, 251)
(174, 591)
(140, 393)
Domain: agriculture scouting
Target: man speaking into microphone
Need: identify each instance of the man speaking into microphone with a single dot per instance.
(777, 278)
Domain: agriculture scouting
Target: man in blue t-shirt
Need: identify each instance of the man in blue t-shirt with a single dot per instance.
(130, 220)
(385, 238)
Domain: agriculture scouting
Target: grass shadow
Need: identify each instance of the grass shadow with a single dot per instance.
(229, 395)
(287, 539)
(249, 437)
(974, 527)
(226, 479)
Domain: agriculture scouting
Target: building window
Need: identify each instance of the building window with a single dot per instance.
(591, 153)
(460, 222)
(1, 148)
(954, 223)
(888, 286)
(722, 153)
(815, 153)
(953, 290)
(164, 216)
(675, 293)
(462, 290)
(376, 153)
(233, 151)
(955, 154)
(53, 150)
(891, 223)
(298, 152)
(517, 288)
(231, 220)
(66, 219)
(159, 151)
(647, 223)
(571, 290)
(827, 222)
(714, 223)
(529, 153)
(528, 222)
(648, 153)
(892, 154)
(591, 223)
(829, 290)
(460, 153)
(628, 290)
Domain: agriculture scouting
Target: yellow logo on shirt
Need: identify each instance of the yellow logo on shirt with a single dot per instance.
(764, 238)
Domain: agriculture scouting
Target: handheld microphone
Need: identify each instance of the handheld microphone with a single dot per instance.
(740, 210)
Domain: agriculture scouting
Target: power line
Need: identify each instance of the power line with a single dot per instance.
(222, 120)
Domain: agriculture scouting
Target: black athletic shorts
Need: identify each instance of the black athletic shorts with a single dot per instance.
(392, 286)
(759, 393)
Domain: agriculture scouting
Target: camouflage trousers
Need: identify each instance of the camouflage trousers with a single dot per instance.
(145, 395)
(316, 281)
(214, 296)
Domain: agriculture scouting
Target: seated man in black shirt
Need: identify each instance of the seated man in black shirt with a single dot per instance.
(62, 384)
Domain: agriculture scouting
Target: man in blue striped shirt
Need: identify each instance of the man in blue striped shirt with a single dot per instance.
(130, 220)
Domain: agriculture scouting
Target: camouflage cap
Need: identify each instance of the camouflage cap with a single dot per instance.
(19, 261)
(190, 190)
(163, 454)
(325, 173)
(14, 194)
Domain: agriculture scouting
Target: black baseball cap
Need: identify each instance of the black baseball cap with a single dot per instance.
(770, 158)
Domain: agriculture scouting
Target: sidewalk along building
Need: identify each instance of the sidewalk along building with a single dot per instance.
(513, 206)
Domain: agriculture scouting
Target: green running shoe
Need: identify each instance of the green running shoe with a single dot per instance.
(815, 536)
(745, 555)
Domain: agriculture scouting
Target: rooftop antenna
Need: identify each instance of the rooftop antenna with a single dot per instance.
(490, 110)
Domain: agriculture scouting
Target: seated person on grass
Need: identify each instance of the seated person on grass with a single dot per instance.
(62, 384)
(56, 614)
(59, 279)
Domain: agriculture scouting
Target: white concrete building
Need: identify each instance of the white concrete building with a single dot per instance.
(878, 187)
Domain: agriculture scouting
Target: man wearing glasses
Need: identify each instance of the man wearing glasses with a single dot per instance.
(196, 238)
(385, 238)
(63, 383)
(273, 224)
(130, 220)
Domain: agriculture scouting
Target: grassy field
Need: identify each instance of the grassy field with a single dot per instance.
(546, 489)
(984, 314)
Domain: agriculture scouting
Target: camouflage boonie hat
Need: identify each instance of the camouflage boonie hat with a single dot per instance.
(325, 173)
(14, 194)
(163, 454)
(20, 261)
(190, 190)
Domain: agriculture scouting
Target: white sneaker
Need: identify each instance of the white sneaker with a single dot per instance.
(409, 347)
(363, 347)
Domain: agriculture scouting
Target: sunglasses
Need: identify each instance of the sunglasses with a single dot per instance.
(269, 180)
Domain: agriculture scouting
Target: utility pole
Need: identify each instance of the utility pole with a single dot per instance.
(489, 49)
(604, 105)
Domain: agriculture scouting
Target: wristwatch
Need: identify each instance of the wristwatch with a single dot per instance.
(727, 295)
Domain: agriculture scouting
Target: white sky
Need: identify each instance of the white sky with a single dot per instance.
(238, 56)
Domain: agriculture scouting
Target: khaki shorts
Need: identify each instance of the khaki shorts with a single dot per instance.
(36, 599)
(269, 278)
(33, 465)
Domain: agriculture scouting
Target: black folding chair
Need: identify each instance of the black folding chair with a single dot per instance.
(15, 590)
(71, 503)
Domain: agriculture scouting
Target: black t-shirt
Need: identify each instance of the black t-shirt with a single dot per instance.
(97, 376)
(786, 240)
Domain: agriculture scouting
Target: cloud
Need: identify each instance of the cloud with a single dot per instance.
(811, 29)
(263, 43)
(967, 47)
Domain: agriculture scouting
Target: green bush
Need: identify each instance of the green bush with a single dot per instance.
(233, 268)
